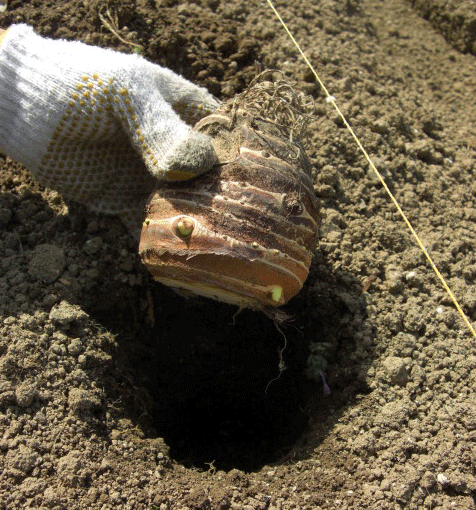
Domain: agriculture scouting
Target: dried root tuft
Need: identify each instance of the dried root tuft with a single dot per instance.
(277, 102)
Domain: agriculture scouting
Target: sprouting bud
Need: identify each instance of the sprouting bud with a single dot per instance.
(276, 293)
(184, 227)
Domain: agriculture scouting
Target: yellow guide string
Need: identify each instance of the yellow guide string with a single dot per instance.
(331, 99)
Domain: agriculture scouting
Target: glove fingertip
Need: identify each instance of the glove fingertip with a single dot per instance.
(192, 157)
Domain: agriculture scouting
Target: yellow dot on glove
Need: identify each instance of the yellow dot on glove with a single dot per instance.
(85, 78)
(86, 93)
(123, 92)
(75, 95)
(90, 85)
(79, 86)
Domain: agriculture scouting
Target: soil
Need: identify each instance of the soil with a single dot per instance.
(117, 393)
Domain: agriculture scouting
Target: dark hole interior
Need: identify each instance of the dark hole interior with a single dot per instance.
(219, 393)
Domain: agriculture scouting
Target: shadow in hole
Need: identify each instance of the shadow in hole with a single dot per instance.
(216, 392)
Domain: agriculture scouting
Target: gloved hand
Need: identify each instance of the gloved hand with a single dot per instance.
(97, 125)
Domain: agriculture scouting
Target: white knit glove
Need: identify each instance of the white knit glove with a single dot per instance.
(97, 125)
